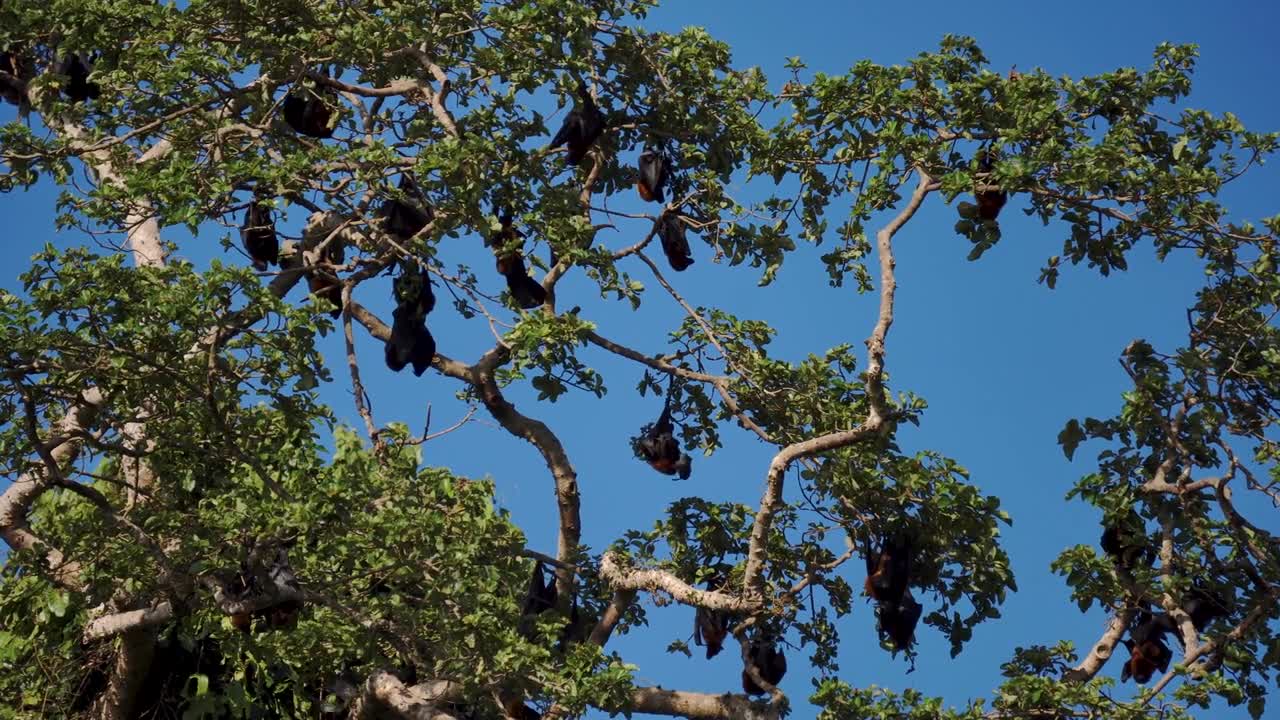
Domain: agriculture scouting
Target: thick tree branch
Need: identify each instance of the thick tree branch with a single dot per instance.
(18, 498)
(888, 288)
(398, 87)
(1214, 649)
(875, 423)
(143, 236)
(700, 706)
(480, 376)
(1102, 650)
(611, 616)
(273, 594)
(117, 623)
(650, 580)
(435, 97)
(1190, 637)
(384, 693)
(143, 231)
(557, 460)
(133, 661)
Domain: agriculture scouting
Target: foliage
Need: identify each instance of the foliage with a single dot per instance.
(208, 444)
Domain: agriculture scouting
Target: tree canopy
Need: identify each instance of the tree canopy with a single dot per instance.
(192, 532)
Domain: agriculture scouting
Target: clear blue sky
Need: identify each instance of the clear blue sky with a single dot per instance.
(1002, 361)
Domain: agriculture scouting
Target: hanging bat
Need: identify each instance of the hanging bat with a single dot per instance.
(1204, 606)
(405, 218)
(285, 613)
(13, 84)
(658, 446)
(1147, 651)
(411, 342)
(1125, 545)
(652, 177)
(254, 582)
(324, 283)
(897, 621)
(710, 627)
(258, 235)
(77, 69)
(768, 660)
(540, 597)
(577, 630)
(528, 293)
(582, 127)
(675, 245)
(889, 569)
(990, 199)
(309, 111)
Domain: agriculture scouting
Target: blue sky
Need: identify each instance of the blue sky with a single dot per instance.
(1003, 361)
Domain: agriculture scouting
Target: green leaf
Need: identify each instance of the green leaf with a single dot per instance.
(978, 250)
(58, 602)
(1070, 438)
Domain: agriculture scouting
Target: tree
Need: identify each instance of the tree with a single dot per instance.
(193, 532)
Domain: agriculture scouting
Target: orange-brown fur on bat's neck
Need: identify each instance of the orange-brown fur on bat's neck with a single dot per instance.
(646, 193)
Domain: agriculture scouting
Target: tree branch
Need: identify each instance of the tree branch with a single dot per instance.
(384, 693)
(480, 376)
(700, 706)
(612, 614)
(133, 661)
(357, 387)
(142, 230)
(17, 499)
(1102, 650)
(875, 423)
(117, 623)
(652, 580)
(658, 363)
